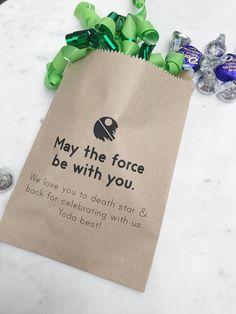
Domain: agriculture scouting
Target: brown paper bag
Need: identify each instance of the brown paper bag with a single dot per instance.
(93, 190)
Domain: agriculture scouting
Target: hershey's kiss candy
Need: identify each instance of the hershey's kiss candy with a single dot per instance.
(214, 54)
(227, 91)
(6, 179)
(207, 83)
(216, 47)
(210, 63)
(179, 40)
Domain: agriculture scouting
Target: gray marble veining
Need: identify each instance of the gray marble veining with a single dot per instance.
(194, 265)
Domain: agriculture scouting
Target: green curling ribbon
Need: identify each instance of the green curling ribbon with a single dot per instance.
(139, 3)
(129, 29)
(147, 33)
(129, 48)
(114, 33)
(174, 62)
(134, 26)
(142, 14)
(87, 15)
(145, 30)
(118, 19)
(107, 42)
(80, 39)
(61, 61)
(104, 37)
(129, 44)
(94, 40)
(145, 51)
(118, 42)
(157, 59)
(106, 25)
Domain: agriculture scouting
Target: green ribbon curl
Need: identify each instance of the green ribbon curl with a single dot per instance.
(118, 19)
(139, 3)
(174, 62)
(145, 30)
(59, 64)
(157, 59)
(105, 25)
(129, 43)
(86, 13)
(113, 32)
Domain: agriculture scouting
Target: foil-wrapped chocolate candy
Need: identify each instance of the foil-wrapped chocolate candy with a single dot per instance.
(6, 179)
(227, 71)
(227, 91)
(216, 47)
(179, 40)
(207, 83)
(215, 54)
(192, 58)
(210, 62)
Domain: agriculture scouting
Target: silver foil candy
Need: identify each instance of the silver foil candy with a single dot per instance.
(207, 83)
(227, 91)
(179, 40)
(6, 179)
(215, 54)
(216, 47)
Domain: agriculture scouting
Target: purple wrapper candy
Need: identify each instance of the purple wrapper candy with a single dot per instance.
(192, 56)
(227, 71)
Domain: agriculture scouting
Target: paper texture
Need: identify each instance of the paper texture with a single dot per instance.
(93, 190)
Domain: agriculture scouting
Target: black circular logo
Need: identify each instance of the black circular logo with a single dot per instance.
(105, 129)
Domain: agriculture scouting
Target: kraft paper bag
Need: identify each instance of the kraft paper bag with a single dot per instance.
(93, 190)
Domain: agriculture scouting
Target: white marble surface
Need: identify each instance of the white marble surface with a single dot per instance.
(194, 267)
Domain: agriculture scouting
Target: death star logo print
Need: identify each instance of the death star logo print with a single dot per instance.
(105, 129)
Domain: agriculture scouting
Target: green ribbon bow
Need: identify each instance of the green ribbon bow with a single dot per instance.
(115, 33)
